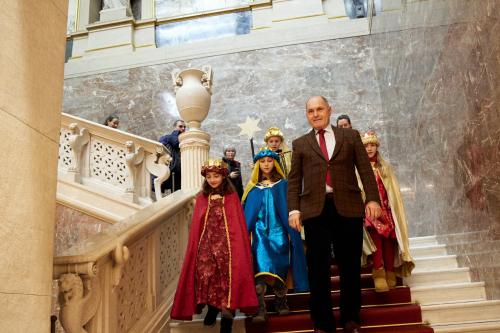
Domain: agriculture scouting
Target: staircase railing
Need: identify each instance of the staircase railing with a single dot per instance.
(124, 279)
(115, 162)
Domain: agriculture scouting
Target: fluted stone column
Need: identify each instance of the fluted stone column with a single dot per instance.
(31, 71)
(193, 89)
(195, 146)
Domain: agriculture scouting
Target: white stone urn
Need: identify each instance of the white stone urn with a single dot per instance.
(193, 89)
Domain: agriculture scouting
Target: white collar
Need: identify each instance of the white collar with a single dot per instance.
(328, 129)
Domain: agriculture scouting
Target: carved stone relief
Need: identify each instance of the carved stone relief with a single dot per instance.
(169, 252)
(79, 301)
(107, 163)
(133, 288)
(65, 151)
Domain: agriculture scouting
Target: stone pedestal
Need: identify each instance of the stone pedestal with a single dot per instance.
(335, 9)
(290, 13)
(114, 14)
(32, 64)
(113, 38)
(195, 146)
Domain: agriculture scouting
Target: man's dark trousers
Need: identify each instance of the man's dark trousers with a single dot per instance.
(346, 234)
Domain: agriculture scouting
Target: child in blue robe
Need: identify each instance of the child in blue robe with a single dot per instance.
(277, 249)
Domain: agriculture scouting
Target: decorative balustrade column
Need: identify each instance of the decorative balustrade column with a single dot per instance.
(195, 146)
(193, 96)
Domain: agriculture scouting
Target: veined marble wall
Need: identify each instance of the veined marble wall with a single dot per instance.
(431, 93)
(73, 226)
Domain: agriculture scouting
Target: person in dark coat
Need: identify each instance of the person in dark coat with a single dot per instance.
(171, 141)
(234, 169)
(324, 197)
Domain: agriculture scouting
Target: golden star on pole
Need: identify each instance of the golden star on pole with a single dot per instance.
(249, 127)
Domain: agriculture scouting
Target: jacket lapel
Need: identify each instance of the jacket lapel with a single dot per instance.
(339, 140)
(311, 138)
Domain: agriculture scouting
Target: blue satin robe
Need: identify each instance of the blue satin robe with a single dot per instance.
(275, 246)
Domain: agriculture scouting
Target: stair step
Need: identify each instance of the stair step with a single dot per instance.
(366, 282)
(428, 251)
(459, 312)
(370, 316)
(404, 328)
(438, 276)
(433, 263)
(398, 329)
(470, 327)
(449, 293)
(196, 326)
(422, 241)
(300, 301)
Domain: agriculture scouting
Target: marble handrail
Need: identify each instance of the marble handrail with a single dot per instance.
(128, 230)
(110, 161)
(128, 272)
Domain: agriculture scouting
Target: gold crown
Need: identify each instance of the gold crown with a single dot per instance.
(273, 131)
(214, 165)
(370, 137)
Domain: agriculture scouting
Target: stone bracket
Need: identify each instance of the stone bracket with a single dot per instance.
(159, 166)
(120, 256)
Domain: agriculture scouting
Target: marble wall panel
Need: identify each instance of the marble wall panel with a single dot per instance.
(431, 93)
(73, 226)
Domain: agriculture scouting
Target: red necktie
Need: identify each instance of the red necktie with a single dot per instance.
(322, 145)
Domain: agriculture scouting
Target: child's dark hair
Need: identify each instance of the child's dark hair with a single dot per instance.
(226, 187)
(275, 176)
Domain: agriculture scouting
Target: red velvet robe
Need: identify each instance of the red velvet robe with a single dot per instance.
(242, 293)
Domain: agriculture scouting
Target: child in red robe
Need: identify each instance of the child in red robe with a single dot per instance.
(217, 269)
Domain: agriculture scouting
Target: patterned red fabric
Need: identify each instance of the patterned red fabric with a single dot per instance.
(242, 290)
(384, 225)
(212, 268)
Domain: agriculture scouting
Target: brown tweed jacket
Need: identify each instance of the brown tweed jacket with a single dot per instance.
(307, 178)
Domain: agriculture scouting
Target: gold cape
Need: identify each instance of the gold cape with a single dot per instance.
(403, 262)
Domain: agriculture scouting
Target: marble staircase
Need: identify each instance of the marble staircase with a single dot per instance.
(450, 300)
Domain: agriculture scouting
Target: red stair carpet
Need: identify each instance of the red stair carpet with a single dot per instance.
(392, 311)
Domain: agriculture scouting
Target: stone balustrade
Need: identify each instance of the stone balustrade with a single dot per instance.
(124, 279)
(110, 161)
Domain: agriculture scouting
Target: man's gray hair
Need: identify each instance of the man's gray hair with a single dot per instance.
(228, 147)
(322, 97)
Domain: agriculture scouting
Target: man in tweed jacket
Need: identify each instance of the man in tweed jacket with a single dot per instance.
(331, 210)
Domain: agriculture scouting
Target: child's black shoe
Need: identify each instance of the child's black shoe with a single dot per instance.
(211, 316)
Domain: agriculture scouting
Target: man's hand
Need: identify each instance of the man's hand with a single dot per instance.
(294, 222)
(372, 211)
(233, 174)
